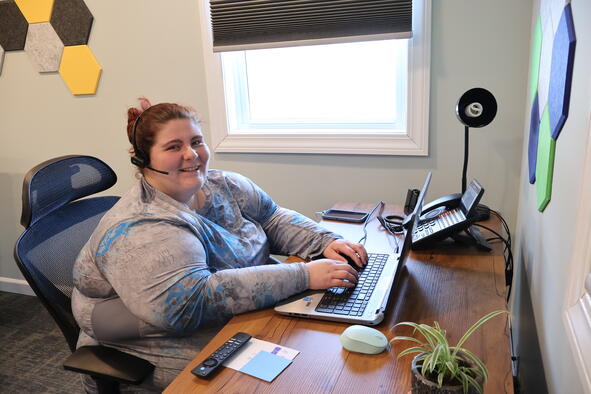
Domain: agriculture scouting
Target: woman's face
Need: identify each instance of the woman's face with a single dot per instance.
(178, 149)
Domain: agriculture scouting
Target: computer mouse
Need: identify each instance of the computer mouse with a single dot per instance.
(351, 262)
(362, 339)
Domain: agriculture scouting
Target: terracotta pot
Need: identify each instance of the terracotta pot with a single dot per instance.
(422, 385)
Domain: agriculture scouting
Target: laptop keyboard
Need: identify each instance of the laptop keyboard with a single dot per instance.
(352, 301)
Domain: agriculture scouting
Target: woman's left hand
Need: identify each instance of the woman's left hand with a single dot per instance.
(339, 248)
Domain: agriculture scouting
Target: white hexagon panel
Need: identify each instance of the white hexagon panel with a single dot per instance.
(44, 47)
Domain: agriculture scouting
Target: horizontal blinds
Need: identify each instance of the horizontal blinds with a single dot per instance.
(250, 24)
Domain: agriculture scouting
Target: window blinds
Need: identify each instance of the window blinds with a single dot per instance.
(255, 24)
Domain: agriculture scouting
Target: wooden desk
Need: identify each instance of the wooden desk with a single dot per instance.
(454, 286)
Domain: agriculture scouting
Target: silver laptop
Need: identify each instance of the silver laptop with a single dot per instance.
(365, 303)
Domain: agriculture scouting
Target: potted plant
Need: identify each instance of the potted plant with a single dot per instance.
(441, 368)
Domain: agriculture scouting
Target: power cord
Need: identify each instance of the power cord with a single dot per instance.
(364, 238)
(507, 252)
(391, 226)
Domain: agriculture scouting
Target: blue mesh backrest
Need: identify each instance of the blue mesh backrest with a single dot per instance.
(52, 244)
(47, 250)
(55, 183)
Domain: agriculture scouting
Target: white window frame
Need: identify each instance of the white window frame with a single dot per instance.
(577, 307)
(413, 142)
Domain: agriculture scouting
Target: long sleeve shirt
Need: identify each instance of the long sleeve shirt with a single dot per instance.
(158, 279)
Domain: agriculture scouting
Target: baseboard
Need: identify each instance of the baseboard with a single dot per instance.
(19, 286)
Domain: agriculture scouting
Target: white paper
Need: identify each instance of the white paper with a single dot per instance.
(253, 347)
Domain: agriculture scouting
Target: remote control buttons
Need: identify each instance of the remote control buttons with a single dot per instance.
(210, 362)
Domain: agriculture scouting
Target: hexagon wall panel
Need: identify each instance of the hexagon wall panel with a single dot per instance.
(535, 60)
(80, 70)
(13, 26)
(563, 54)
(44, 47)
(545, 163)
(532, 149)
(1, 58)
(72, 21)
(545, 64)
(35, 11)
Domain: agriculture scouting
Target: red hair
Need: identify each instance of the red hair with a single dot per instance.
(150, 118)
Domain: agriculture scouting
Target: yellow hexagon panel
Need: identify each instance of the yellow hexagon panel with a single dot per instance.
(35, 11)
(80, 70)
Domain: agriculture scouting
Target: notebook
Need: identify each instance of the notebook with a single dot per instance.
(365, 303)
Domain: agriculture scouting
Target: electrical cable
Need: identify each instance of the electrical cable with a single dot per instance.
(364, 238)
(385, 225)
(507, 252)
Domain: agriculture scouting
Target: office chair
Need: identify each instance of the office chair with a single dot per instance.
(57, 225)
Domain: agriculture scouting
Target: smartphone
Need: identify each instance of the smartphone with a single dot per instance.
(344, 216)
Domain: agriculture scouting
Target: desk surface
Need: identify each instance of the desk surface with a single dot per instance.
(454, 286)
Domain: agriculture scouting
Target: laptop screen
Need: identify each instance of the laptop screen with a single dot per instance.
(420, 201)
(412, 220)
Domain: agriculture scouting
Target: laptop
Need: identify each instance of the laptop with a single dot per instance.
(365, 303)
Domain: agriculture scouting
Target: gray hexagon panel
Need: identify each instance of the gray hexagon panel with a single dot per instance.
(13, 26)
(44, 47)
(72, 21)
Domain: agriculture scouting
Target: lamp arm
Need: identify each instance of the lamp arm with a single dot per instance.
(465, 170)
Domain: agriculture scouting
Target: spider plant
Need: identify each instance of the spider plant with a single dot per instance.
(442, 363)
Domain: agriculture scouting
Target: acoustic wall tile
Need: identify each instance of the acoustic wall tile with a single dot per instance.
(556, 9)
(545, 64)
(545, 163)
(35, 11)
(13, 26)
(563, 54)
(532, 149)
(1, 58)
(535, 60)
(72, 21)
(44, 47)
(80, 70)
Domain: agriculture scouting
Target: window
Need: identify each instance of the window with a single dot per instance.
(354, 98)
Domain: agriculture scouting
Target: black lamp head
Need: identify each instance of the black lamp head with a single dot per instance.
(476, 108)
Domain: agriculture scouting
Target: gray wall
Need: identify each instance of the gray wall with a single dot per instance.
(475, 43)
(545, 240)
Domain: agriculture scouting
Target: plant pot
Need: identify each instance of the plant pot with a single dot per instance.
(423, 385)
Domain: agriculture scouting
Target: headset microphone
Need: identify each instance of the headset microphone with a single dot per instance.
(140, 158)
(155, 170)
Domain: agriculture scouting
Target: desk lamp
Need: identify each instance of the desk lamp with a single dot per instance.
(476, 108)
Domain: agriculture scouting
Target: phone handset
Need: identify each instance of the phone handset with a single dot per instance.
(440, 205)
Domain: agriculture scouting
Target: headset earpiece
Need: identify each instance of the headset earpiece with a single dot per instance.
(139, 157)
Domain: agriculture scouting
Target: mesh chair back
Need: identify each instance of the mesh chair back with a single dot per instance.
(59, 228)
(54, 183)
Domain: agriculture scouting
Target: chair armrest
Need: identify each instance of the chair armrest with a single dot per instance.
(107, 363)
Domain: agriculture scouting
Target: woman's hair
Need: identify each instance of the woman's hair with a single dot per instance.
(148, 119)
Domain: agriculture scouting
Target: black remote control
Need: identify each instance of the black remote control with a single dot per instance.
(215, 359)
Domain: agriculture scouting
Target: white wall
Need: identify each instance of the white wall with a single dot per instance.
(545, 240)
(153, 49)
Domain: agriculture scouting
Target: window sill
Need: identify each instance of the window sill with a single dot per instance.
(350, 143)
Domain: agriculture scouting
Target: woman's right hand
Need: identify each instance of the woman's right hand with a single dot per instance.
(325, 273)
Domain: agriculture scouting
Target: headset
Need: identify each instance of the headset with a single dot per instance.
(140, 158)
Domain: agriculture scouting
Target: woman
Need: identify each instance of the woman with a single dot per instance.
(187, 248)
